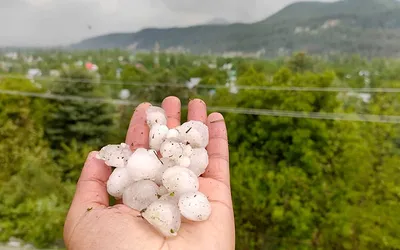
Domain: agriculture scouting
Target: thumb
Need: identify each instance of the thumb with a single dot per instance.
(91, 190)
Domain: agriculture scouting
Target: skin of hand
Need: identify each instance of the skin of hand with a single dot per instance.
(92, 224)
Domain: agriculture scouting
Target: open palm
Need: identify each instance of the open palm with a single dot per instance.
(92, 224)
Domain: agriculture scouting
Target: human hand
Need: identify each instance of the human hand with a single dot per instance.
(92, 224)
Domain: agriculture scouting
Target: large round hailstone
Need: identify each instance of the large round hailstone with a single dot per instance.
(194, 206)
(118, 181)
(198, 161)
(160, 172)
(171, 149)
(144, 165)
(184, 161)
(157, 135)
(173, 134)
(194, 133)
(140, 194)
(115, 155)
(164, 216)
(156, 115)
(187, 150)
(180, 180)
(167, 162)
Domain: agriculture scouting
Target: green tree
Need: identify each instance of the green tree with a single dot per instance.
(87, 122)
(34, 201)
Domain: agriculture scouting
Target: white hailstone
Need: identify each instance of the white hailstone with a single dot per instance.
(171, 149)
(155, 115)
(173, 134)
(167, 162)
(157, 135)
(194, 206)
(187, 150)
(118, 181)
(115, 155)
(194, 133)
(160, 172)
(180, 180)
(184, 161)
(199, 161)
(140, 194)
(162, 190)
(144, 165)
(163, 216)
(172, 197)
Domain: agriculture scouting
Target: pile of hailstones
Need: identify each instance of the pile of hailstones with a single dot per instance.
(162, 182)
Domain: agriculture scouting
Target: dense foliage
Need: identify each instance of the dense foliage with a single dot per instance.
(297, 183)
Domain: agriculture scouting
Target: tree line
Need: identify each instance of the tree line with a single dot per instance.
(296, 183)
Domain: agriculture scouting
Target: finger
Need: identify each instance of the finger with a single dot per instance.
(91, 191)
(218, 151)
(138, 131)
(91, 188)
(197, 110)
(172, 107)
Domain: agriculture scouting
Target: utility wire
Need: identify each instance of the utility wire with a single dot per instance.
(235, 110)
(239, 87)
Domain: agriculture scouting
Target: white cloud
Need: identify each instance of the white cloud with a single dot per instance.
(38, 2)
(109, 6)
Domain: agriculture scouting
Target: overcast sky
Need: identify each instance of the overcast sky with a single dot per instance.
(60, 22)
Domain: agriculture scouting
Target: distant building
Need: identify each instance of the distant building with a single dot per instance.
(193, 82)
(28, 60)
(227, 66)
(365, 97)
(124, 94)
(118, 73)
(298, 30)
(212, 66)
(12, 55)
(54, 73)
(91, 67)
(5, 66)
(196, 63)
(365, 73)
(176, 50)
(32, 73)
(330, 23)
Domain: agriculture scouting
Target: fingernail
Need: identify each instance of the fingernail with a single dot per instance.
(216, 117)
(93, 157)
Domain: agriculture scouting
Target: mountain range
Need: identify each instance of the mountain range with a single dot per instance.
(366, 27)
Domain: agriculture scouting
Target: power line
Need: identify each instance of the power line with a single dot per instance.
(243, 87)
(243, 111)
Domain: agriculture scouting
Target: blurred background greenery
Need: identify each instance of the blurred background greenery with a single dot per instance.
(298, 183)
